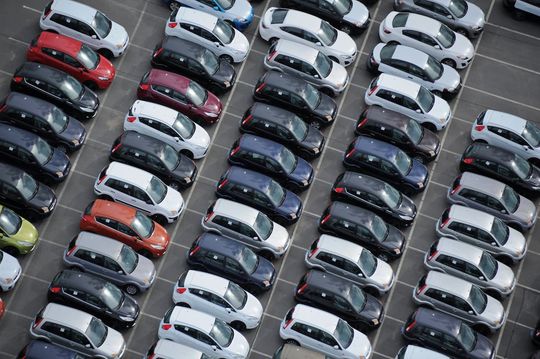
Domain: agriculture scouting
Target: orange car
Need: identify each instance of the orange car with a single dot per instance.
(126, 225)
(2, 308)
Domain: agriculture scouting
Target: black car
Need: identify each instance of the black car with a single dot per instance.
(342, 14)
(232, 260)
(340, 297)
(447, 334)
(22, 193)
(39, 349)
(387, 162)
(501, 164)
(284, 127)
(261, 192)
(273, 159)
(56, 86)
(376, 195)
(96, 296)
(32, 153)
(297, 96)
(399, 130)
(536, 334)
(363, 227)
(195, 61)
(154, 156)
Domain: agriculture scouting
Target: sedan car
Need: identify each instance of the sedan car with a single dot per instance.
(10, 271)
(17, 235)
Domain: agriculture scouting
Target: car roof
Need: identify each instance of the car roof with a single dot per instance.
(143, 142)
(352, 213)
(154, 111)
(416, 352)
(315, 317)
(398, 84)
(438, 320)
(220, 244)
(488, 152)
(17, 136)
(423, 24)
(288, 82)
(79, 281)
(249, 178)
(129, 173)
(506, 120)
(202, 321)
(173, 349)
(449, 283)
(196, 17)
(61, 42)
(374, 147)
(482, 184)
(76, 9)
(42, 72)
(291, 351)
(38, 349)
(182, 46)
(340, 246)
(168, 79)
(297, 50)
(113, 210)
(203, 280)
(272, 113)
(9, 173)
(461, 250)
(471, 216)
(68, 316)
(34, 105)
(387, 117)
(261, 145)
(364, 182)
(330, 282)
(411, 55)
(235, 210)
(99, 244)
(302, 20)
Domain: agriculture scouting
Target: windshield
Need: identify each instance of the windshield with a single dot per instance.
(96, 332)
(500, 231)
(403, 162)
(184, 126)
(379, 228)
(143, 225)
(478, 299)
(225, 4)
(458, 7)
(57, 119)
(312, 96)
(522, 168)
(343, 7)
(391, 196)
(196, 93)
(263, 226)
(88, 57)
(446, 37)
(112, 296)
(299, 128)
(433, 69)
(425, 98)
(27, 186)
(327, 34)
(414, 131)
(510, 199)
(367, 262)
(343, 333)
(323, 64)
(10, 222)
(467, 337)
(170, 157)
(42, 151)
(358, 298)
(276, 193)
(287, 160)
(222, 333)
(128, 259)
(488, 265)
(249, 260)
(531, 133)
(102, 25)
(236, 296)
(156, 189)
(224, 32)
(71, 88)
(209, 61)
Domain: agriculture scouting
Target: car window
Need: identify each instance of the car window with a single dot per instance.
(218, 301)
(293, 31)
(440, 9)
(112, 265)
(472, 270)
(111, 223)
(141, 195)
(428, 40)
(452, 262)
(85, 29)
(215, 258)
(308, 69)
(191, 28)
(233, 266)
(351, 267)
(126, 230)
(91, 257)
(247, 231)
(413, 34)
(208, 36)
(53, 53)
(53, 328)
(190, 332)
(331, 259)
(474, 196)
(77, 337)
(71, 61)
(499, 131)
(200, 293)
(494, 204)
(327, 339)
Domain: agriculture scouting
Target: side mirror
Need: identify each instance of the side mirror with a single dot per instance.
(214, 348)
(318, 43)
(94, 37)
(449, 16)
(216, 8)
(228, 310)
(526, 148)
(493, 243)
(177, 139)
(217, 44)
(481, 277)
(120, 271)
(470, 312)
(437, 46)
(316, 76)
(418, 110)
(87, 345)
(336, 347)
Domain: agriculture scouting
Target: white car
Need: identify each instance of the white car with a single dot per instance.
(85, 24)
(167, 349)
(203, 332)
(209, 31)
(10, 271)
(169, 126)
(513, 133)
(428, 35)
(409, 98)
(409, 63)
(324, 332)
(218, 297)
(139, 189)
(416, 352)
(278, 23)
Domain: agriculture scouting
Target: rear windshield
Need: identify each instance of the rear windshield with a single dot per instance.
(388, 51)
(279, 15)
(400, 20)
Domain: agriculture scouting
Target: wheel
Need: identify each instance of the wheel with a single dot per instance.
(131, 289)
(183, 305)
(328, 92)
(160, 219)
(429, 126)
(494, 293)
(333, 59)
(437, 93)
(463, 32)
(346, 29)
(173, 5)
(107, 53)
(76, 269)
(267, 254)
(238, 326)
(506, 260)
(226, 58)
(449, 62)
(383, 257)
(187, 153)
(175, 185)
(146, 253)
(480, 141)
(420, 159)
(393, 42)
(91, 85)
(11, 251)
(273, 40)
(62, 148)
(482, 329)
(293, 342)
(372, 291)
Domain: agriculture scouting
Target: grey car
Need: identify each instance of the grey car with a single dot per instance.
(494, 197)
(460, 15)
(111, 260)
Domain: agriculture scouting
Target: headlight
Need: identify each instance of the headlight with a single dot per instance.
(187, 179)
(293, 215)
(59, 174)
(45, 209)
(75, 142)
(25, 244)
(119, 46)
(156, 246)
(375, 321)
(432, 153)
(8, 280)
(280, 248)
(420, 184)
(103, 78)
(397, 250)
(126, 319)
(227, 83)
(316, 149)
(462, 57)
(305, 182)
(211, 114)
(266, 283)
(174, 212)
(328, 117)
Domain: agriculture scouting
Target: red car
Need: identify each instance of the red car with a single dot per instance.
(2, 308)
(180, 93)
(72, 57)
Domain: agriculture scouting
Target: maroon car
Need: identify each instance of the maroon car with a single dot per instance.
(180, 93)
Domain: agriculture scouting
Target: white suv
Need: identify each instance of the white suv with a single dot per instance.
(85, 24)
(141, 190)
(169, 126)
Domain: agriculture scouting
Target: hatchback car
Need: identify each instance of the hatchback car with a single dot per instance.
(247, 225)
(352, 262)
(17, 235)
(387, 162)
(232, 260)
(340, 297)
(416, 352)
(410, 63)
(10, 271)
(167, 349)
(400, 130)
(111, 260)
(298, 96)
(72, 57)
(127, 225)
(447, 334)
(284, 127)
(291, 351)
(218, 297)
(502, 165)
(85, 24)
(180, 93)
(140, 189)
(428, 35)
(316, 329)
(272, 159)
(493, 197)
(409, 98)
(260, 192)
(95, 296)
(209, 31)
(45, 119)
(203, 332)
(39, 349)
(76, 330)
(56, 86)
(309, 30)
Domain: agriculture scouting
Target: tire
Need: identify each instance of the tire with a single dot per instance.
(11, 251)
(226, 58)
(131, 289)
(106, 198)
(482, 329)
(463, 32)
(333, 58)
(146, 253)
(91, 85)
(292, 342)
(437, 93)
(506, 260)
(183, 305)
(107, 53)
(160, 219)
(449, 62)
(267, 255)
(393, 42)
(175, 185)
(62, 148)
(383, 257)
(238, 326)
(273, 40)
(173, 5)
(430, 126)
(346, 29)
(187, 153)
(328, 92)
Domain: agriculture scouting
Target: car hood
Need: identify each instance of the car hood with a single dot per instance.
(303, 170)
(173, 201)
(484, 348)
(373, 308)
(494, 311)
(27, 233)
(474, 17)
(185, 168)
(145, 271)
(59, 162)
(429, 141)
(159, 236)
(344, 44)
(314, 138)
(526, 210)
(44, 197)
(9, 267)
(504, 276)
(384, 274)
(291, 204)
(418, 173)
(440, 110)
(450, 78)
(406, 207)
(338, 76)
(279, 238)
(462, 47)
(74, 130)
(253, 307)
(88, 99)
(225, 72)
(200, 137)
(327, 106)
(105, 68)
(114, 343)
(360, 345)
(359, 13)
(129, 307)
(241, 9)
(265, 270)
(239, 43)
(516, 242)
(534, 178)
(239, 345)
(212, 104)
(394, 240)
(118, 35)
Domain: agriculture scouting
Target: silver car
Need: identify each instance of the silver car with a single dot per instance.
(111, 260)
(462, 16)
(462, 299)
(471, 263)
(494, 197)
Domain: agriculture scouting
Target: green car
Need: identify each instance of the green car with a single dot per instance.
(17, 235)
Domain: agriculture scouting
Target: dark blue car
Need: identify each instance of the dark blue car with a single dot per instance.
(232, 260)
(387, 162)
(38, 349)
(261, 192)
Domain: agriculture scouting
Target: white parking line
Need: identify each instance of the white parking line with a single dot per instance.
(298, 247)
(335, 149)
(359, 86)
(140, 47)
(259, 52)
(166, 280)
(70, 208)
(31, 9)
(514, 31)
(207, 178)
(509, 64)
(18, 41)
(519, 324)
(311, 214)
(196, 212)
(126, 78)
(272, 316)
(245, 83)
(151, 316)
(83, 174)
(220, 146)
(463, 120)
(51, 243)
(394, 319)
(502, 97)
(439, 184)
(528, 288)
(428, 216)
(98, 142)
(323, 181)
(451, 152)
(288, 282)
(347, 118)
(36, 278)
(179, 245)
(6, 73)
(406, 284)
(20, 315)
(135, 352)
(416, 249)
(261, 353)
(383, 355)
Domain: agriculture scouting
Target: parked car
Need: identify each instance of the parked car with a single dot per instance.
(10, 271)
(45, 119)
(416, 352)
(110, 259)
(167, 349)
(181, 94)
(76, 330)
(209, 31)
(72, 57)
(284, 127)
(85, 24)
(56, 86)
(301, 27)
(232, 260)
(291, 351)
(39, 349)
(352, 262)
(17, 235)
(296, 95)
(218, 297)
(248, 226)
(522, 9)
(95, 296)
(535, 335)
(324, 332)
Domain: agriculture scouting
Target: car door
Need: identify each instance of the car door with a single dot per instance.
(501, 137)
(330, 344)
(58, 333)
(119, 190)
(223, 309)
(10, 196)
(215, 263)
(210, 41)
(414, 39)
(190, 336)
(56, 58)
(391, 100)
(67, 26)
(309, 335)
(235, 271)
(109, 228)
(203, 302)
(89, 35)
(141, 200)
(152, 128)
(92, 262)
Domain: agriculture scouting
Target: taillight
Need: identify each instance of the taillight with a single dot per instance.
(261, 86)
(223, 183)
(116, 147)
(152, 356)
(181, 290)
(325, 219)
(70, 252)
(245, 121)
(208, 216)
(271, 56)
(468, 161)
(387, 31)
(362, 123)
(172, 25)
(302, 289)
(479, 127)
(419, 290)
(410, 326)
(443, 223)
(144, 87)
(101, 179)
(131, 118)
(372, 90)
(287, 323)
(312, 252)
(37, 322)
(47, 12)
(194, 250)
(432, 254)
(166, 326)
(234, 151)
(158, 52)
(55, 289)
(339, 189)
(350, 153)
(455, 189)
(17, 79)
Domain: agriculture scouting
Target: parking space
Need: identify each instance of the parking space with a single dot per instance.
(504, 76)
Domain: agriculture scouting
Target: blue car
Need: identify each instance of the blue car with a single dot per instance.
(38, 349)
(239, 13)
